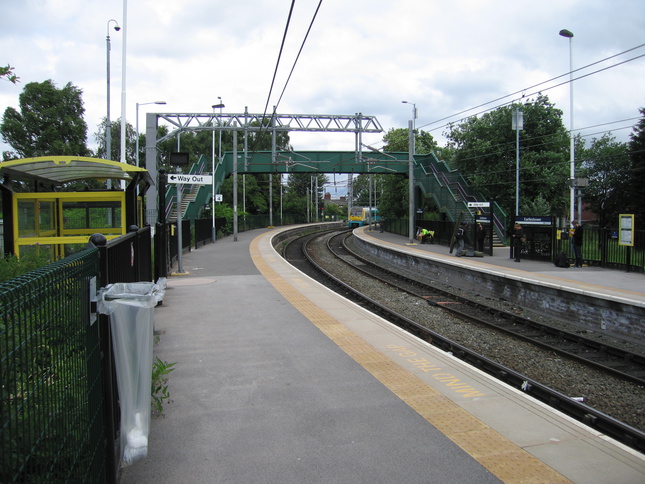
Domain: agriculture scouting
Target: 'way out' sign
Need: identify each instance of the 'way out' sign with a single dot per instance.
(191, 179)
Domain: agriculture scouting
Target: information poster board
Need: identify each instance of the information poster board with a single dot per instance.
(626, 229)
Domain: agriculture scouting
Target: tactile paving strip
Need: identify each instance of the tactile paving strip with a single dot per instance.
(509, 462)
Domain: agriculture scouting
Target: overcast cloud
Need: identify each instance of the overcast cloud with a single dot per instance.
(361, 56)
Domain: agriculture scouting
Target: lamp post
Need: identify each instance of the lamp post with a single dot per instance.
(123, 86)
(108, 123)
(411, 126)
(219, 157)
(517, 124)
(136, 142)
(572, 190)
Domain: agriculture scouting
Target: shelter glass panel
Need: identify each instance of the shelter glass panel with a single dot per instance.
(91, 214)
(27, 218)
(46, 218)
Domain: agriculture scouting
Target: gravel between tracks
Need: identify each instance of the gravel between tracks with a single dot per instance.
(613, 396)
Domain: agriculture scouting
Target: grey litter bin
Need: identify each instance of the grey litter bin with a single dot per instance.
(130, 307)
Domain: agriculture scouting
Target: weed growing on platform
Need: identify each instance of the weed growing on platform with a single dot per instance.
(160, 392)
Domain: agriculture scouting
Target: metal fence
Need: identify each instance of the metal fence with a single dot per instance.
(51, 410)
(601, 248)
(600, 245)
(59, 408)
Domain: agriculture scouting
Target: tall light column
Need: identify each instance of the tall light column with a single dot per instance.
(572, 190)
(123, 84)
(137, 129)
(108, 123)
(411, 127)
(517, 124)
(220, 105)
(215, 106)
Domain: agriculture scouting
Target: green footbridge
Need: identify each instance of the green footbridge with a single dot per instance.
(432, 178)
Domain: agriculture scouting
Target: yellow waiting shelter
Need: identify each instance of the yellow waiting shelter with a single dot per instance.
(48, 218)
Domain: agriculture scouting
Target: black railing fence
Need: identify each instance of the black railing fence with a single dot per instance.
(601, 248)
(600, 245)
(198, 232)
(59, 408)
(52, 404)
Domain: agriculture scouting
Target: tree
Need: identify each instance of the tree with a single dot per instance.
(300, 187)
(606, 164)
(50, 122)
(485, 153)
(333, 210)
(395, 195)
(637, 170)
(398, 140)
(8, 73)
(256, 185)
(256, 192)
(115, 142)
(393, 191)
(361, 190)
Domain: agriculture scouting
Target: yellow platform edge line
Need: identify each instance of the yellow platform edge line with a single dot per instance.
(503, 458)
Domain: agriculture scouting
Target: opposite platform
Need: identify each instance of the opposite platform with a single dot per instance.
(596, 299)
(280, 380)
(610, 283)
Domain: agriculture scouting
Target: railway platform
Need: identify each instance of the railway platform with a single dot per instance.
(278, 379)
(595, 299)
(610, 282)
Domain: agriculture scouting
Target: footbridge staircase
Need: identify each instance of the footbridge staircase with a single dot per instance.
(432, 178)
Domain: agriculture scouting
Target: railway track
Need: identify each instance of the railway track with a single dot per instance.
(608, 359)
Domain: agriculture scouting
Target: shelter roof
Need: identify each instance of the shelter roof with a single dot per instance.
(56, 170)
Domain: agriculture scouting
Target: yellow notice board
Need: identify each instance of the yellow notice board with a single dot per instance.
(626, 229)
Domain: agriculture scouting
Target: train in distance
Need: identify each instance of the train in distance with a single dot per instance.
(359, 216)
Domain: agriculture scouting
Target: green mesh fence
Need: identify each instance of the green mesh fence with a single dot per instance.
(51, 410)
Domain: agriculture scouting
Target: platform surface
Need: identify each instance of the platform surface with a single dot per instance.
(279, 379)
(611, 283)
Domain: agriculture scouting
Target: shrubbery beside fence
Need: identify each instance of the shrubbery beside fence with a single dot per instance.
(52, 406)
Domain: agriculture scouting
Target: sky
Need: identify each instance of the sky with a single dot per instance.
(451, 59)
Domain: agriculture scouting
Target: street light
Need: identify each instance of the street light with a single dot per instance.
(108, 123)
(411, 126)
(137, 123)
(517, 124)
(572, 191)
(415, 114)
(219, 158)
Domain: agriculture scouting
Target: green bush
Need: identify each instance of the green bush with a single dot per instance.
(11, 266)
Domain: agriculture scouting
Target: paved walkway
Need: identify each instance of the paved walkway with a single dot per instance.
(261, 395)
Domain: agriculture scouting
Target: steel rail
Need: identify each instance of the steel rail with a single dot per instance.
(593, 418)
(625, 364)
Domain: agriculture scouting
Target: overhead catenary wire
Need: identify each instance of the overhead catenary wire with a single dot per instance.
(523, 94)
(510, 145)
(299, 52)
(275, 107)
(277, 64)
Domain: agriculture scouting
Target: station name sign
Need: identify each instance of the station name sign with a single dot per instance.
(534, 220)
(191, 179)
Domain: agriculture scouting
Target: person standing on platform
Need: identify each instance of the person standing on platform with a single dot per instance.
(460, 236)
(481, 235)
(518, 237)
(576, 243)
